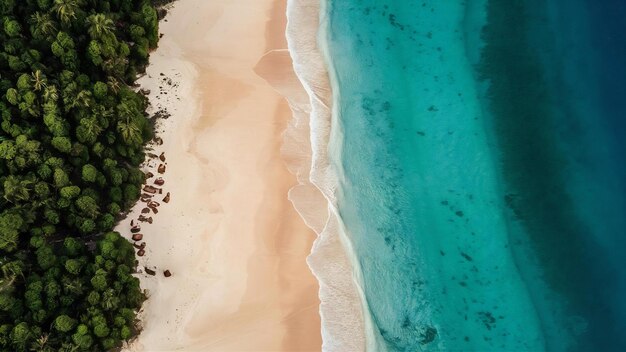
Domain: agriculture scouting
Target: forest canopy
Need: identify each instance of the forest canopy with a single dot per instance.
(72, 134)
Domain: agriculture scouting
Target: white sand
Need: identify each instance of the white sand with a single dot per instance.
(232, 240)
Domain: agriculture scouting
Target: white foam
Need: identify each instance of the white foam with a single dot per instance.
(306, 148)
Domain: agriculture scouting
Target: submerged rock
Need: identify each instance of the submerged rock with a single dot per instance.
(429, 335)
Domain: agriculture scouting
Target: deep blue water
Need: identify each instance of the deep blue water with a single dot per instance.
(481, 151)
(609, 31)
(558, 123)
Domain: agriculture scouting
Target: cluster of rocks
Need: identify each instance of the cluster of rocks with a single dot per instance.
(161, 114)
(153, 195)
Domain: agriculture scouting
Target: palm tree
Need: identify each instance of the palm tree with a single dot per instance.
(6, 284)
(50, 93)
(109, 300)
(16, 190)
(73, 286)
(41, 344)
(42, 25)
(130, 132)
(10, 273)
(66, 9)
(89, 130)
(115, 66)
(100, 26)
(114, 84)
(38, 80)
(69, 347)
(126, 111)
(84, 99)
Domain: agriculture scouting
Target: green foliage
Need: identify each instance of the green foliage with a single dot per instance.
(60, 178)
(73, 246)
(12, 96)
(64, 323)
(89, 173)
(137, 32)
(100, 27)
(88, 206)
(10, 225)
(73, 266)
(70, 192)
(100, 90)
(42, 25)
(66, 10)
(72, 134)
(62, 144)
(82, 337)
(46, 257)
(21, 335)
(16, 190)
(12, 28)
(99, 282)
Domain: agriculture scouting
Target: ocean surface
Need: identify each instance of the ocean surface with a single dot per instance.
(480, 151)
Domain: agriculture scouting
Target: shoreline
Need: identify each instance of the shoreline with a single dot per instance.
(345, 327)
(230, 237)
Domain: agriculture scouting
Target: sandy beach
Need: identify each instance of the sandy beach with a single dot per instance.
(232, 240)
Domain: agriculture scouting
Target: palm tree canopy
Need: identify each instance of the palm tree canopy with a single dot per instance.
(38, 80)
(66, 9)
(84, 98)
(100, 26)
(130, 132)
(42, 25)
(113, 84)
(50, 93)
(16, 190)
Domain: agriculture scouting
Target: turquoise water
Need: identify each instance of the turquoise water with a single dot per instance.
(480, 151)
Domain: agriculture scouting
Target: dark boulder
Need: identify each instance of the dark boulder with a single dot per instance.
(150, 189)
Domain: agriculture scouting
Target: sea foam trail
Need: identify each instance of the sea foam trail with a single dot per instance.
(306, 150)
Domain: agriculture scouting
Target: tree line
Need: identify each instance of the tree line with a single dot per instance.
(72, 135)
